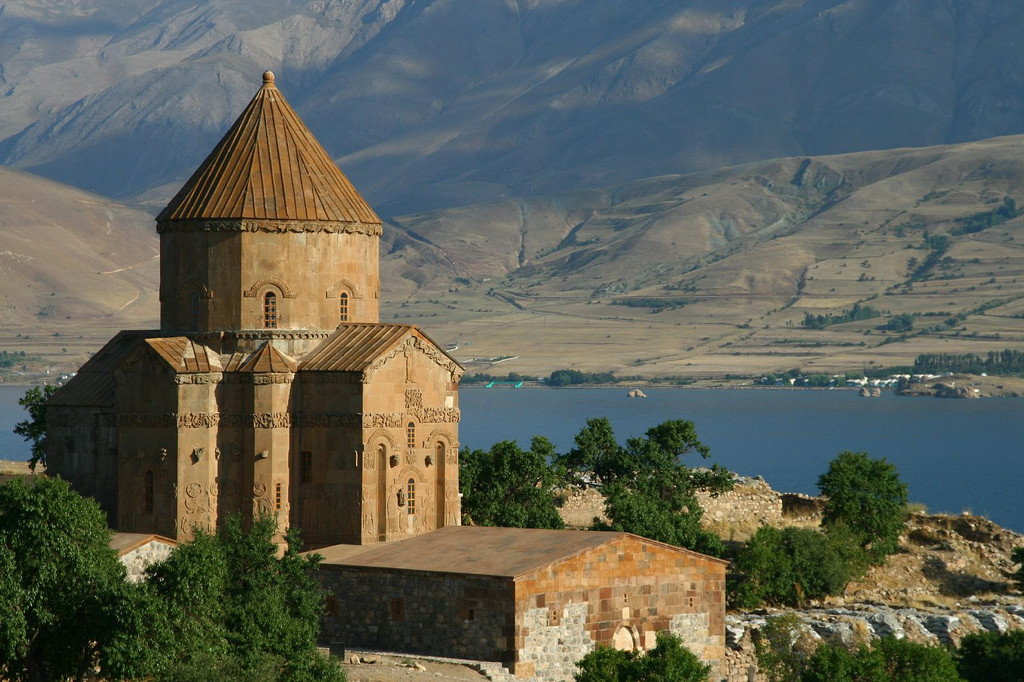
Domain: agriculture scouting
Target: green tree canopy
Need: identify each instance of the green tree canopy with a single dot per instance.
(60, 582)
(508, 486)
(991, 657)
(669, 661)
(647, 490)
(33, 429)
(226, 606)
(867, 496)
(789, 566)
(222, 607)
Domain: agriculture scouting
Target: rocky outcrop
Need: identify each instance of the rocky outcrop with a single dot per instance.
(858, 624)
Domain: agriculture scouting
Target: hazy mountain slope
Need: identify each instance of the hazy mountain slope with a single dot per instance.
(433, 103)
(71, 264)
(713, 272)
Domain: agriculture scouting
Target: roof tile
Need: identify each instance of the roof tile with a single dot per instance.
(269, 166)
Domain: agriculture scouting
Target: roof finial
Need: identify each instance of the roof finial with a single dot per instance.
(268, 77)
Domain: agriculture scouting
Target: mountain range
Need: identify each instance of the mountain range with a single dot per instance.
(431, 104)
(703, 274)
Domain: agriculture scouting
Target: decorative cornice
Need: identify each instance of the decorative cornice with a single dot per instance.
(71, 417)
(272, 226)
(282, 334)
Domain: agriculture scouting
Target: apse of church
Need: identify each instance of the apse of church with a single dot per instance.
(271, 385)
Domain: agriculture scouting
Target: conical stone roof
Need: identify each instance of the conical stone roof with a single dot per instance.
(269, 167)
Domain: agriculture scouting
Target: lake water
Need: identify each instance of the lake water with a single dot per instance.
(955, 455)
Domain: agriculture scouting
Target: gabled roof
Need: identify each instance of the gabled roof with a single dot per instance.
(354, 346)
(93, 385)
(124, 543)
(269, 166)
(267, 359)
(185, 355)
(477, 550)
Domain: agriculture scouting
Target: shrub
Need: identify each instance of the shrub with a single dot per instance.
(793, 565)
(990, 657)
(867, 496)
(669, 661)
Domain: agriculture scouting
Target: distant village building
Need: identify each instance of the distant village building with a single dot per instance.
(272, 386)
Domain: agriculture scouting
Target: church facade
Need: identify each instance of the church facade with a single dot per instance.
(271, 385)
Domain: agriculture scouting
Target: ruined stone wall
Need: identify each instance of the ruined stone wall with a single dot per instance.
(750, 501)
(420, 613)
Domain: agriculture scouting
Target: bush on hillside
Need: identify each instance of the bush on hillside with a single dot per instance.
(789, 566)
(991, 657)
(669, 661)
(867, 496)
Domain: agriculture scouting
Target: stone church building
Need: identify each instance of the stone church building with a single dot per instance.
(272, 386)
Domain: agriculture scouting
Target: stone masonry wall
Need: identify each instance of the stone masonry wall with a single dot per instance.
(141, 558)
(751, 499)
(421, 613)
(633, 588)
(551, 650)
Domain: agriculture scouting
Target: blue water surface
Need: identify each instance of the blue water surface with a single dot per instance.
(955, 455)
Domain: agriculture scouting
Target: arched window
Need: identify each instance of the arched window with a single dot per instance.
(193, 311)
(147, 493)
(270, 310)
(343, 307)
(410, 435)
(277, 497)
(410, 496)
(441, 450)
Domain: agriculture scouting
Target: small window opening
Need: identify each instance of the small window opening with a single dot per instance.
(306, 470)
(277, 497)
(331, 606)
(411, 496)
(193, 311)
(270, 310)
(343, 307)
(410, 435)
(398, 608)
(147, 493)
(471, 615)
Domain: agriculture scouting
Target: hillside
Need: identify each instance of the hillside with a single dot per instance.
(437, 103)
(698, 275)
(74, 268)
(713, 273)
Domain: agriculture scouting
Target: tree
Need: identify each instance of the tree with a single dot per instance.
(907, 661)
(510, 487)
(1018, 558)
(226, 607)
(888, 660)
(60, 582)
(668, 661)
(867, 496)
(783, 647)
(836, 664)
(647, 490)
(991, 657)
(792, 565)
(33, 429)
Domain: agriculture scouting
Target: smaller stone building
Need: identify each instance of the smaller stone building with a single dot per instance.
(535, 600)
(139, 551)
